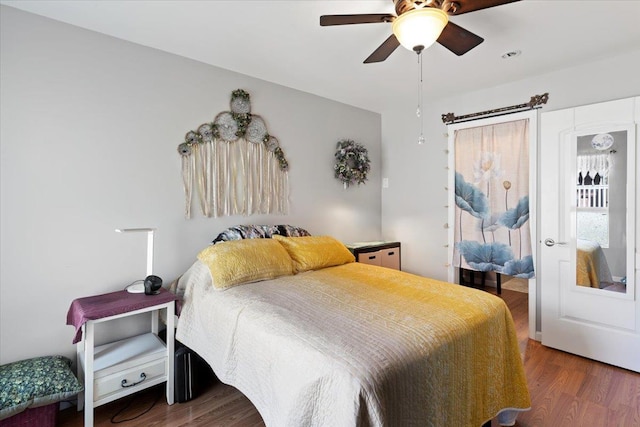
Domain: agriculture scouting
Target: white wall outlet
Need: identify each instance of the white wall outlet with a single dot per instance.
(385, 182)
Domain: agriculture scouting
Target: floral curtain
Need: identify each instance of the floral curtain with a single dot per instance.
(492, 202)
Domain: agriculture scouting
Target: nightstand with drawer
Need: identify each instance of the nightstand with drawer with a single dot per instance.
(123, 367)
(384, 254)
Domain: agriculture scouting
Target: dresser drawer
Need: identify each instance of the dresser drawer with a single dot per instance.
(112, 384)
(372, 258)
(390, 258)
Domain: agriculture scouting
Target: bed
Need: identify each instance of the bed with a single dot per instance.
(592, 269)
(325, 341)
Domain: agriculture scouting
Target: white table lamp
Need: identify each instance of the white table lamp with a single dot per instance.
(139, 287)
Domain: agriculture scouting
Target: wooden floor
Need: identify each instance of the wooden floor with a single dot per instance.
(566, 390)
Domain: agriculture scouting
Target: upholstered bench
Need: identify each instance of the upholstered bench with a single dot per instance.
(31, 389)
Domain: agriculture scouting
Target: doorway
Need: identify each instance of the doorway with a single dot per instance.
(531, 116)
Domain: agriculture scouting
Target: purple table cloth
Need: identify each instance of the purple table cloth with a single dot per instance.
(105, 305)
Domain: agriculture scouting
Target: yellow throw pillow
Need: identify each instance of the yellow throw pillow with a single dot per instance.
(315, 252)
(244, 261)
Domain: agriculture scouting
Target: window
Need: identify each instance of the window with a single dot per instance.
(592, 194)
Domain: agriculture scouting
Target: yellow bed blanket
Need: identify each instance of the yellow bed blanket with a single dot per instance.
(358, 345)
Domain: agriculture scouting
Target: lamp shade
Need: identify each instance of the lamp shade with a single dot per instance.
(419, 27)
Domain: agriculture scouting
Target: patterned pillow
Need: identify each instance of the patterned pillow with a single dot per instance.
(240, 232)
(35, 382)
(291, 231)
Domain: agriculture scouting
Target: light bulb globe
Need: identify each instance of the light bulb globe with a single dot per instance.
(419, 27)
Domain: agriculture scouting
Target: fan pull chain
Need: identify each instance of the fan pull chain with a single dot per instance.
(419, 110)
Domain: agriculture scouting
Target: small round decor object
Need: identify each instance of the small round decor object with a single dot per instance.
(206, 132)
(602, 141)
(191, 137)
(272, 143)
(227, 126)
(184, 149)
(256, 130)
(352, 162)
(240, 102)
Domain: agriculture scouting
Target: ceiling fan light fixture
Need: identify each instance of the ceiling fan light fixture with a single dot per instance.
(418, 29)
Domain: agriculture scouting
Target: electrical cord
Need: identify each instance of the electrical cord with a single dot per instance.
(126, 406)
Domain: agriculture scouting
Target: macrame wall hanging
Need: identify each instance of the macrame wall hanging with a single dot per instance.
(237, 166)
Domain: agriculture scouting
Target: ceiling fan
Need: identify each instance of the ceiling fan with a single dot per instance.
(419, 23)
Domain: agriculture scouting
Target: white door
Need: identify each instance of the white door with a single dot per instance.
(588, 257)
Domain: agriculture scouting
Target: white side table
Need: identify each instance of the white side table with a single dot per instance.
(123, 367)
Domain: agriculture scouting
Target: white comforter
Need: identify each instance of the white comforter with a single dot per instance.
(311, 354)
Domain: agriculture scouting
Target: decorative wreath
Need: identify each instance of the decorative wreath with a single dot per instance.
(352, 162)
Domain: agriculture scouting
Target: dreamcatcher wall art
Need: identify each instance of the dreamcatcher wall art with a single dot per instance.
(237, 167)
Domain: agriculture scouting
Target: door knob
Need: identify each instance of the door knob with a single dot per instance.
(550, 242)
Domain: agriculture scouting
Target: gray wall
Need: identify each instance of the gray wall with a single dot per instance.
(90, 127)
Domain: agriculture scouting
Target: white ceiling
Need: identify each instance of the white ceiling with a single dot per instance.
(282, 41)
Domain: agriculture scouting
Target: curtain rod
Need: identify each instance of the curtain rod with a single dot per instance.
(536, 101)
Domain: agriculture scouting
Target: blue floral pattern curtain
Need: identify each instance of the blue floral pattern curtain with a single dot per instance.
(492, 199)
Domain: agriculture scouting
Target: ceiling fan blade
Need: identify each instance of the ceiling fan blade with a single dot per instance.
(384, 50)
(465, 6)
(369, 18)
(458, 40)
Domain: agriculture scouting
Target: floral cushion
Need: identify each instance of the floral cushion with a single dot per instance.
(240, 232)
(35, 382)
